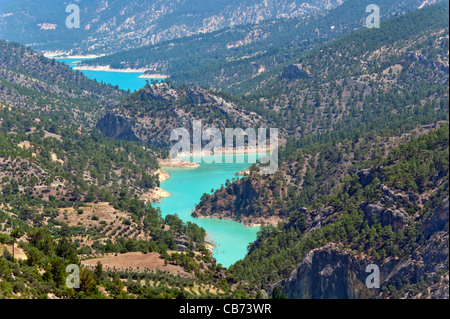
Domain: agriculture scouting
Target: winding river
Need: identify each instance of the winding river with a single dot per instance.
(187, 185)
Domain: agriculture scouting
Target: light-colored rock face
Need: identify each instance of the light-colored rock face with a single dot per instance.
(110, 25)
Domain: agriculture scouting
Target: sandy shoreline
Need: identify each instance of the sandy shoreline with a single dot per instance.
(154, 195)
(163, 175)
(64, 55)
(223, 151)
(177, 162)
(274, 220)
(153, 76)
(243, 172)
(106, 68)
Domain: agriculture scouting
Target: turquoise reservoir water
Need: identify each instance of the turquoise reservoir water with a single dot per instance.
(187, 185)
(124, 80)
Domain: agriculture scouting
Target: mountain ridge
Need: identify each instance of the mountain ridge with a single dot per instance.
(108, 26)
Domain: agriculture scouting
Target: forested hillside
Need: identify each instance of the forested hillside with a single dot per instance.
(31, 81)
(395, 215)
(302, 178)
(378, 80)
(152, 113)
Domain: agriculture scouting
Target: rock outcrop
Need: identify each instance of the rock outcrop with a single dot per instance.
(328, 273)
(117, 127)
(438, 219)
(331, 272)
(398, 219)
(295, 71)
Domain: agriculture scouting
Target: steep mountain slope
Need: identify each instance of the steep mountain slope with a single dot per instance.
(396, 217)
(110, 26)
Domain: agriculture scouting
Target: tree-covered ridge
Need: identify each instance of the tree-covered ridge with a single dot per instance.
(73, 157)
(303, 176)
(31, 81)
(411, 181)
(351, 86)
(422, 33)
(18, 58)
(152, 113)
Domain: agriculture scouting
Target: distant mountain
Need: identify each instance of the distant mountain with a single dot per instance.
(238, 58)
(110, 26)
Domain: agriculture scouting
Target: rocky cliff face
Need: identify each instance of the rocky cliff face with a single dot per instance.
(116, 127)
(331, 272)
(328, 273)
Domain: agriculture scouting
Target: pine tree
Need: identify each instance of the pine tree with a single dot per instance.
(16, 234)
